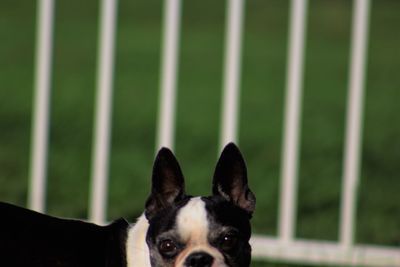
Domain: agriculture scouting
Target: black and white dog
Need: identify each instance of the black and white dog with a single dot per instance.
(175, 230)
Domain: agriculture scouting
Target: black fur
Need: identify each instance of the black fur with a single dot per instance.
(224, 215)
(28, 238)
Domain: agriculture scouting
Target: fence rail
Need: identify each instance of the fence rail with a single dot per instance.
(44, 48)
(285, 247)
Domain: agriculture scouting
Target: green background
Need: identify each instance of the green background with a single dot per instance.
(135, 104)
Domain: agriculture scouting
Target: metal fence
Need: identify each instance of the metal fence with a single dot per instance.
(285, 247)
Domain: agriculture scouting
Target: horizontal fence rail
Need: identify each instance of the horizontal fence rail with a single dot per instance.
(324, 253)
(285, 247)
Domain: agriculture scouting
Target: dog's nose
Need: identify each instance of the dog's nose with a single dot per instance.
(199, 259)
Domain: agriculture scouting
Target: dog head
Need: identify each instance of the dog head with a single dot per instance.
(211, 231)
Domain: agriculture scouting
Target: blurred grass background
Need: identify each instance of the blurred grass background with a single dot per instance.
(199, 97)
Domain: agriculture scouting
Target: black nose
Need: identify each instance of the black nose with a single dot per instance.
(199, 259)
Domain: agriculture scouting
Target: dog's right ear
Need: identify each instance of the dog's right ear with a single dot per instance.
(168, 184)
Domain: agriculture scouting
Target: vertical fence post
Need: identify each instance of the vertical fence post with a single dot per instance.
(232, 65)
(169, 70)
(40, 119)
(290, 158)
(354, 121)
(102, 128)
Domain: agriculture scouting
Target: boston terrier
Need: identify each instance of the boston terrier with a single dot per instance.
(175, 229)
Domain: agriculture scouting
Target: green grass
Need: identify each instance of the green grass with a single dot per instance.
(199, 96)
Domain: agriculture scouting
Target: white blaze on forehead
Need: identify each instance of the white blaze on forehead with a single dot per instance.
(192, 222)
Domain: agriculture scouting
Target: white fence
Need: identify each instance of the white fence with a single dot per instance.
(284, 247)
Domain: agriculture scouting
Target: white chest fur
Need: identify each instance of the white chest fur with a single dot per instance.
(137, 250)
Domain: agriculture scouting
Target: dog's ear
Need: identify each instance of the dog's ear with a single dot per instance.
(168, 184)
(230, 179)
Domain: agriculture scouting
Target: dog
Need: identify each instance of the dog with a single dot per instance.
(175, 229)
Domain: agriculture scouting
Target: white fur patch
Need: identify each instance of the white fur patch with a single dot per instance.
(192, 222)
(137, 250)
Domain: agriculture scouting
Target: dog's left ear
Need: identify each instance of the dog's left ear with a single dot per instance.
(230, 179)
(168, 185)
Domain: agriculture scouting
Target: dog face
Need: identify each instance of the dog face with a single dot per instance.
(212, 231)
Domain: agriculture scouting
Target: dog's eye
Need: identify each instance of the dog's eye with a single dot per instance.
(228, 241)
(167, 248)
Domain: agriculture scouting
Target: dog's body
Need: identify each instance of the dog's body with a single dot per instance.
(175, 229)
(28, 238)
